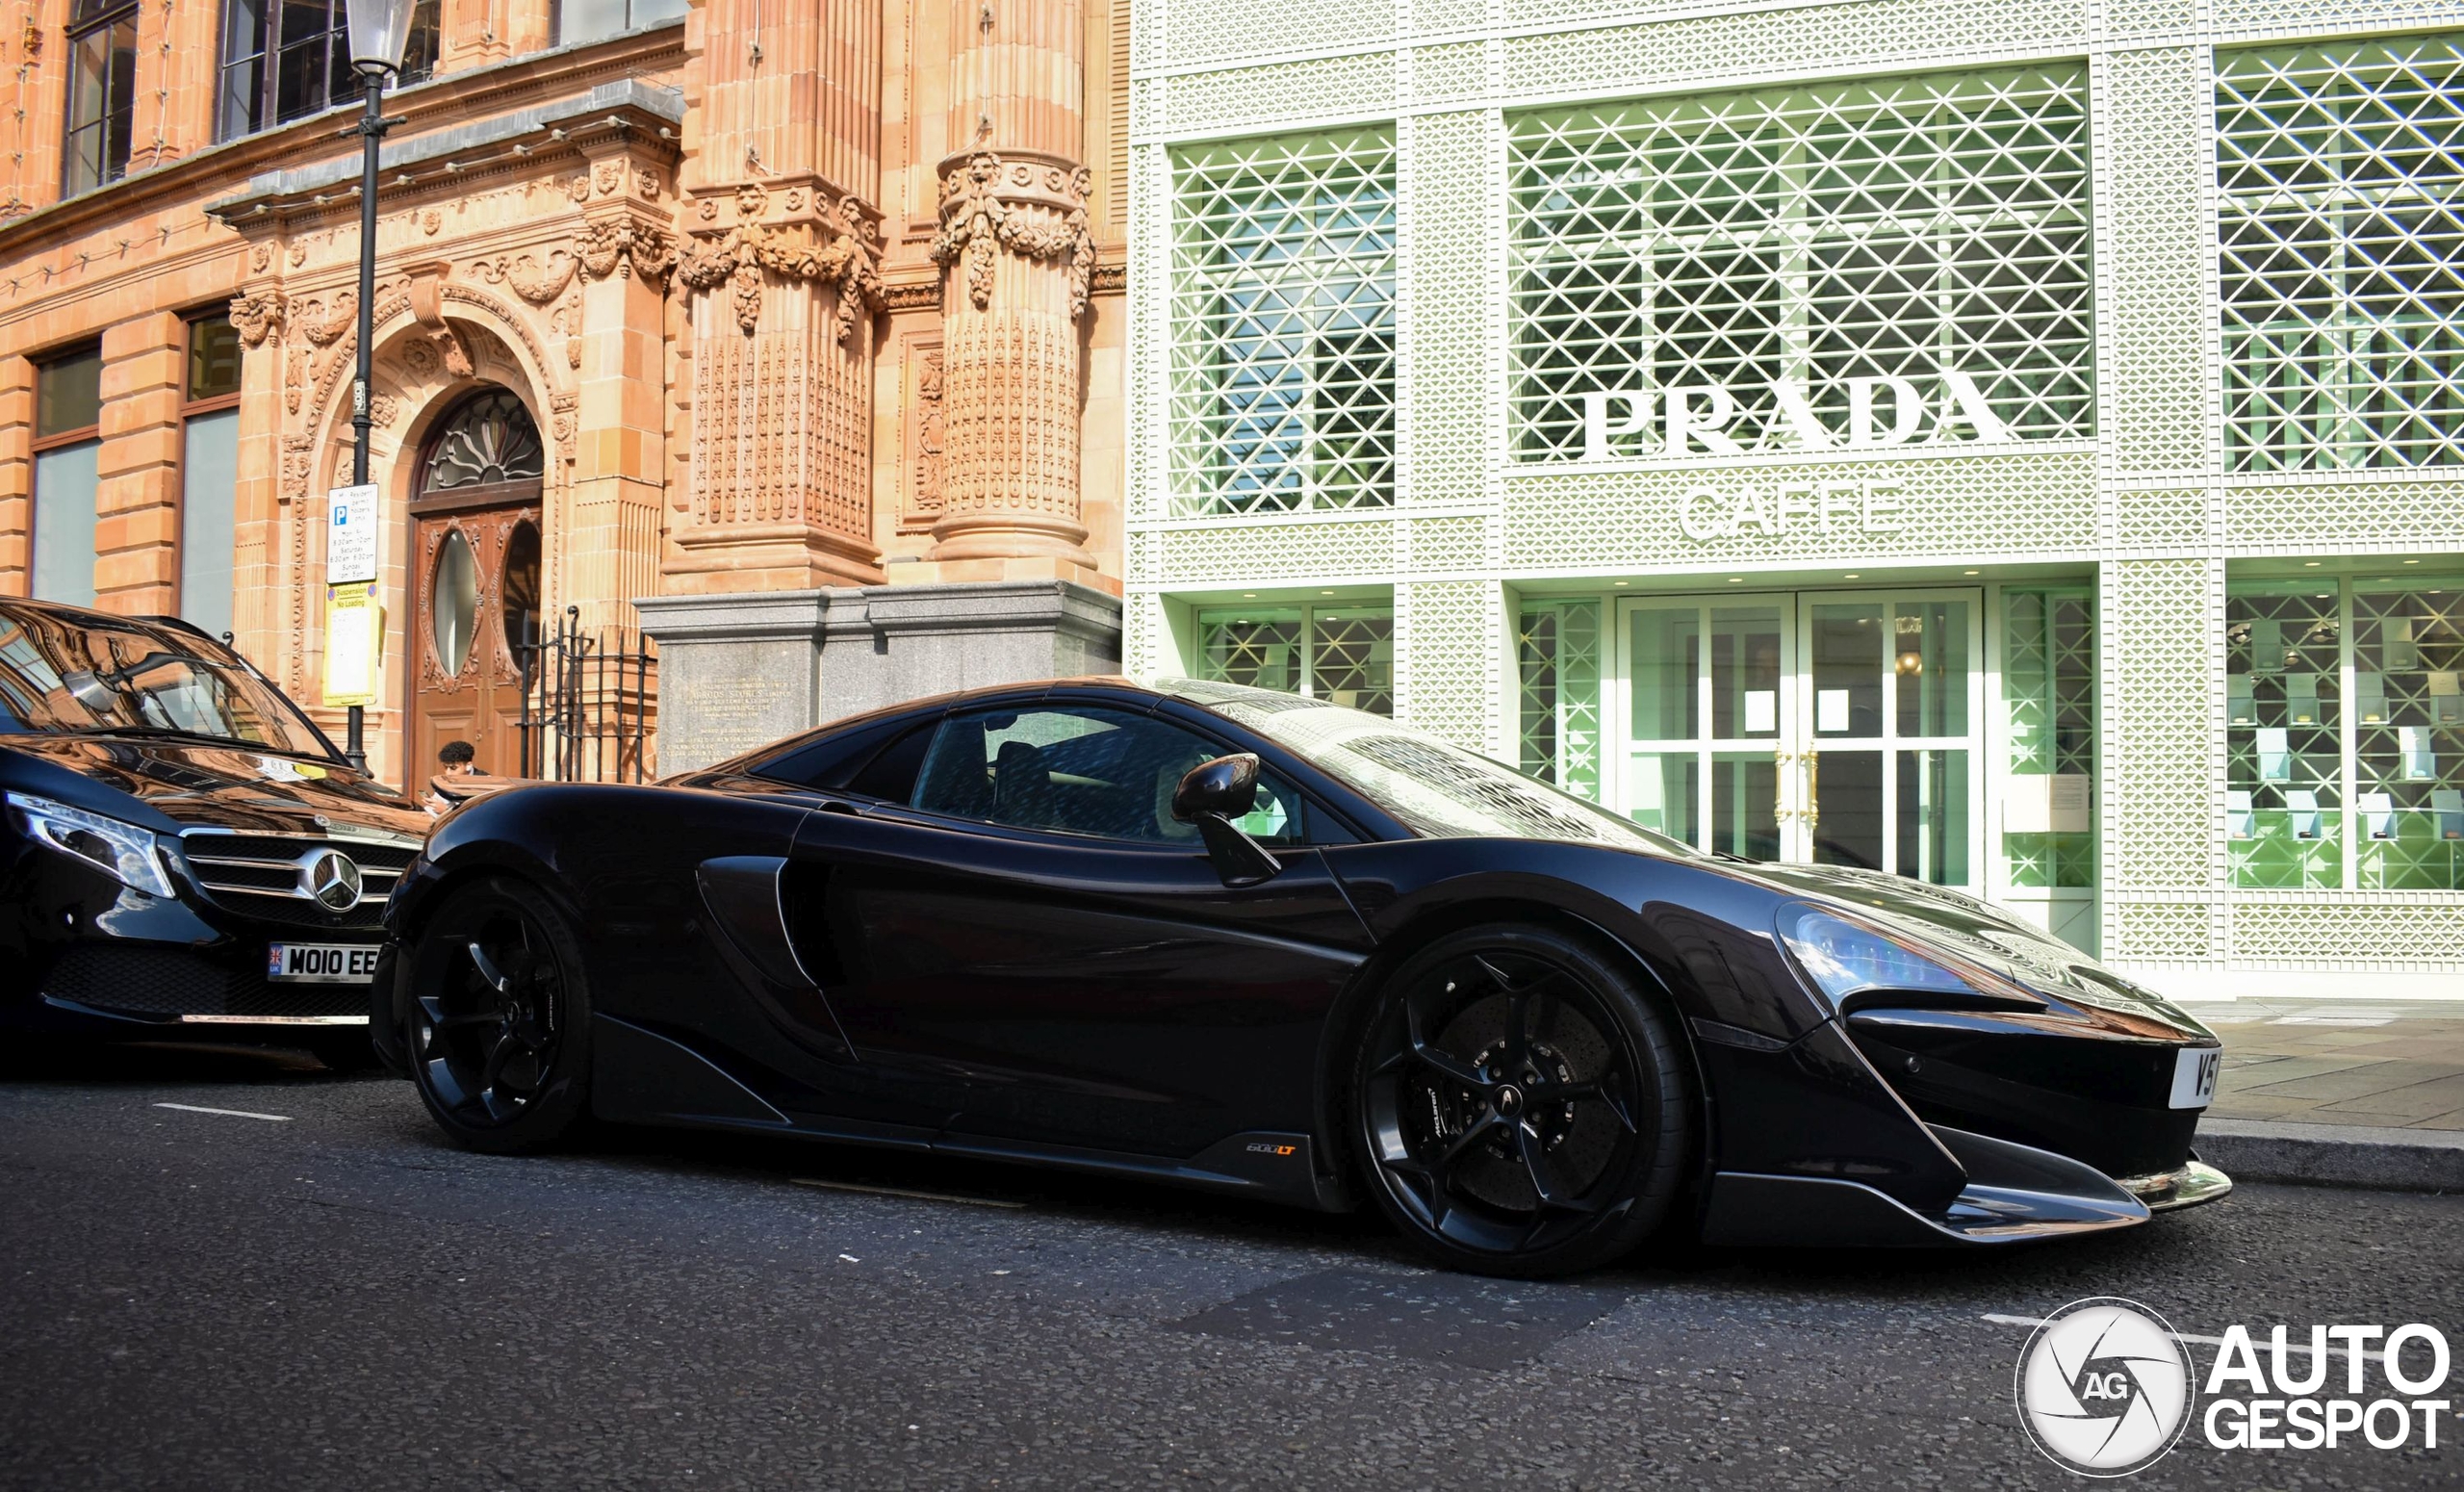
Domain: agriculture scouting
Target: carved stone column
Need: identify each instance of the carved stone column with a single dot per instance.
(1015, 255)
(781, 269)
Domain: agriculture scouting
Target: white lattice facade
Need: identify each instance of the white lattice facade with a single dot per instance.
(1603, 385)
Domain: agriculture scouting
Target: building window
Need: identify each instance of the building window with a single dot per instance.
(102, 95)
(2284, 802)
(209, 474)
(1341, 653)
(2346, 734)
(1743, 245)
(1283, 324)
(69, 410)
(588, 21)
(2341, 172)
(2049, 714)
(1557, 643)
(286, 59)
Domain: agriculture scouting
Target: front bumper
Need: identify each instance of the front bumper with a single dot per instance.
(81, 954)
(2015, 1193)
(115, 985)
(1923, 1129)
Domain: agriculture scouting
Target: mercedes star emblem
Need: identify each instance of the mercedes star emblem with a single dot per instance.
(333, 879)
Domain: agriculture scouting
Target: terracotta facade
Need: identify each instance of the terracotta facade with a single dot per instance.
(828, 298)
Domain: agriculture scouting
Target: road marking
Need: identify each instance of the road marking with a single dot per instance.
(190, 1108)
(891, 1191)
(2302, 1347)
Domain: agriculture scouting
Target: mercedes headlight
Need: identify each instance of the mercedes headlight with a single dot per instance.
(1845, 957)
(129, 855)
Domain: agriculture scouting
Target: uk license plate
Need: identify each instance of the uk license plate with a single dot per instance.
(321, 964)
(2194, 1069)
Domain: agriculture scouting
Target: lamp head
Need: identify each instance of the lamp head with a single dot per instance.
(379, 31)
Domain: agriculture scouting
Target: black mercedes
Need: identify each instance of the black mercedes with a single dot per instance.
(182, 851)
(1239, 940)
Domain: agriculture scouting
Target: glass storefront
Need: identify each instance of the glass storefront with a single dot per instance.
(2345, 733)
(2041, 477)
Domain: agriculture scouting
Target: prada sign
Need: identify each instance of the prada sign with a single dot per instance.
(1882, 412)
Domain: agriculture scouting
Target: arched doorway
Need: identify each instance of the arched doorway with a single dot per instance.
(475, 580)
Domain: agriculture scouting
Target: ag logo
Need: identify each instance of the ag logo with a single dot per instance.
(2104, 1388)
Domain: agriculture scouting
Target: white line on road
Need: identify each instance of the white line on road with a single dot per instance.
(891, 1191)
(190, 1108)
(2302, 1347)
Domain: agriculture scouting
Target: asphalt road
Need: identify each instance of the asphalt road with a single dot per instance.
(336, 1299)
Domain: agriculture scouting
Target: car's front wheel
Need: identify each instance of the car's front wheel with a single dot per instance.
(1522, 1104)
(498, 1028)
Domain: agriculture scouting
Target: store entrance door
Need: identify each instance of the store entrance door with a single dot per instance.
(1822, 728)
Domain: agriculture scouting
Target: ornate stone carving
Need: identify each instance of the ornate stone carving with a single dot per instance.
(926, 297)
(561, 409)
(623, 247)
(521, 271)
(298, 463)
(382, 409)
(325, 333)
(926, 499)
(844, 253)
(257, 314)
(566, 322)
(1035, 208)
(427, 309)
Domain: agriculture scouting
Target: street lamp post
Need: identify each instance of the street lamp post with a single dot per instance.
(379, 30)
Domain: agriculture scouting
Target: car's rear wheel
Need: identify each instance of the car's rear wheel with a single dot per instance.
(498, 1026)
(1521, 1104)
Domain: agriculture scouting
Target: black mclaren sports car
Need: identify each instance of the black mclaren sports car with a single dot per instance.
(1238, 939)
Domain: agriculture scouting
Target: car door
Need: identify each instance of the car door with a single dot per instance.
(1032, 938)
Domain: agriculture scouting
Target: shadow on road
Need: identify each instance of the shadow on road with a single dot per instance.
(31, 1059)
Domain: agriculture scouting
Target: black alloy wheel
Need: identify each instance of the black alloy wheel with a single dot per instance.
(1523, 1108)
(499, 1024)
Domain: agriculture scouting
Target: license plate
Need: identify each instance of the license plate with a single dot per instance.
(2194, 1069)
(321, 964)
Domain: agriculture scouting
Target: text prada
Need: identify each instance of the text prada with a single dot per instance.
(1699, 414)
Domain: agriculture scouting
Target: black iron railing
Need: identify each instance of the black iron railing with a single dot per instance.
(589, 703)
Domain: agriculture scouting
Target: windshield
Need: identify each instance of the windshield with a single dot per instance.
(1438, 789)
(89, 677)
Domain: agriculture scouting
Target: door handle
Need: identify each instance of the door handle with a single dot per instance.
(834, 806)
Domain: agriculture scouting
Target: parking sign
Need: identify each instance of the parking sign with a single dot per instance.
(350, 535)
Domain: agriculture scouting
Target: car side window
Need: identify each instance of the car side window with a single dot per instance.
(1083, 770)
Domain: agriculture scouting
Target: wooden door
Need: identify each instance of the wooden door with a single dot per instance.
(475, 566)
(473, 617)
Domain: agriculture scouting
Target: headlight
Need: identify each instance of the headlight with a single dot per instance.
(128, 853)
(1847, 958)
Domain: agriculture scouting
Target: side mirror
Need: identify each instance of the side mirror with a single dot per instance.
(1227, 785)
(1212, 795)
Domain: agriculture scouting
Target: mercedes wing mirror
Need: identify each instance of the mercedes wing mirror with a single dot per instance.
(1214, 795)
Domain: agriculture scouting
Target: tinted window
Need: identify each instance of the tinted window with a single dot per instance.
(1436, 788)
(1082, 770)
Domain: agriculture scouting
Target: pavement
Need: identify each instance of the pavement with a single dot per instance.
(2339, 1094)
(222, 1268)
(2385, 1066)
